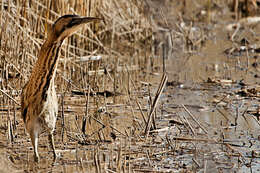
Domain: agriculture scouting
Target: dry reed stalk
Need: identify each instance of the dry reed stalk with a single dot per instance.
(9, 97)
(170, 142)
(222, 113)
(189, 125)
(115, 78)
(10, 126)
(194, 119)
(14, 117)
(119, 159)
(107, 125)
(81, 165)
(97, 160)
(86, 115)
(63, 117)
(111, 157)
(87, 99)
(129, 99)
(156, 99)
(136, 100)
(194, 139)
(256, 120)
(243, 115)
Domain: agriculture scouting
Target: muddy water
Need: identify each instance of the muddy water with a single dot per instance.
(218, 106)
(207, 81)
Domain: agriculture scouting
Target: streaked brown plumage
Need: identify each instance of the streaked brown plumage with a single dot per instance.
(39, 100)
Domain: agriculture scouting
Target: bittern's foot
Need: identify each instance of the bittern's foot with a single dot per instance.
(54, 156)
(51, 141)
(36, 158)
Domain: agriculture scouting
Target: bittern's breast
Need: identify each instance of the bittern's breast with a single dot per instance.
(50, 109)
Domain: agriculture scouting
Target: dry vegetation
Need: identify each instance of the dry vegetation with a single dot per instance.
(109, 88)
(97, 64)
(95, 59)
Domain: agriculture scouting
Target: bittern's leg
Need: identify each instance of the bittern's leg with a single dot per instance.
(34, 140)
(51, 140)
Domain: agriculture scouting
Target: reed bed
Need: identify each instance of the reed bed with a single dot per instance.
(25, 26)
(97, 71)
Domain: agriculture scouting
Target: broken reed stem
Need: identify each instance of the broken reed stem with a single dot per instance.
(14, 111)
(86, 116)
(205, 166)
(169, 142)
(97, 160)
(129, 99)
(81, 165)
(63, 117)
(10, 97)
(236, 118)
(131, 105)
(78, 129)
(194, 119)
(115, 78)
(256, 120)
(195, 139)
(136, 100)
(156, 99)
(196, 163)
(108, 125)
(10, 126)
(86, 81)
(222, 113)
(164, 58)
(233, 149)
(247, 57)
(189, 125)
(119, 158)
(243, 115)
(150, 101)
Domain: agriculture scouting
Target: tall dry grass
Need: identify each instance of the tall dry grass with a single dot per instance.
(97, 64)
(101, 58)
(24, 27)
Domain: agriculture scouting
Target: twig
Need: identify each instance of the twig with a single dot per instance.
(189, 125)
(205, 166)
(196, 162)
(194, 119)
(194, 139)
(157, 96)
(256, 120)
(108, 125)
(97, 160)
(136, 100)
(10, 97)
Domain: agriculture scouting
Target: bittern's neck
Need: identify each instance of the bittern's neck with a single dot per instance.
(44, 71)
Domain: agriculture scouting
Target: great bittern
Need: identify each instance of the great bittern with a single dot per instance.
(39, 100)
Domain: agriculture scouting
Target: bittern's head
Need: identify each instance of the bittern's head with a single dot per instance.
(67, 25)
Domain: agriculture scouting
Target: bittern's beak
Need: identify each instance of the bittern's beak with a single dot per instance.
(68, 25)
(77, 21)
(83, 20)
